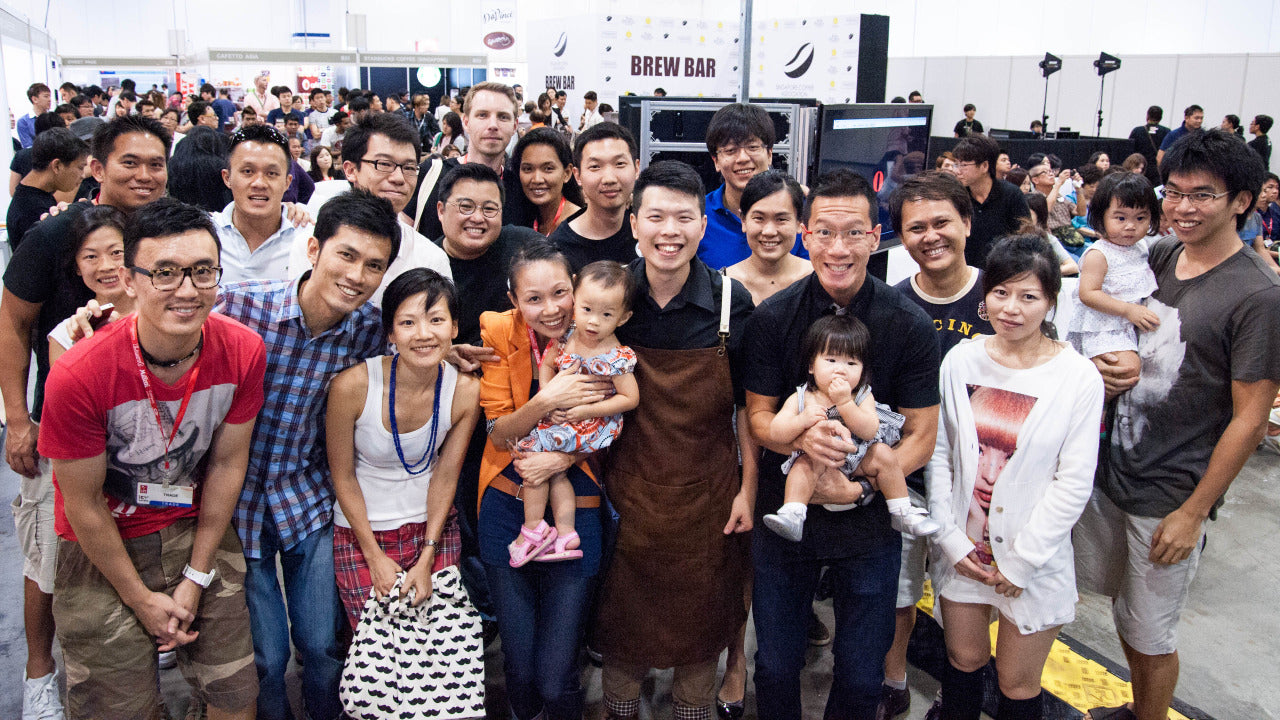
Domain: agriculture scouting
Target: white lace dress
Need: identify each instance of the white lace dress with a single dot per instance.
(1129, 279)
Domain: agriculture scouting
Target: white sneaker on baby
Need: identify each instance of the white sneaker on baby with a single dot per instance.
(788, 521)
(914, 521)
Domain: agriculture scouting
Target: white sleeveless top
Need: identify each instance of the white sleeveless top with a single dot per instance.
(392, 496)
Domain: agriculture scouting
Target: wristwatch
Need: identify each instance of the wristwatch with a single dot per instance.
(200, 578)
(868, 492)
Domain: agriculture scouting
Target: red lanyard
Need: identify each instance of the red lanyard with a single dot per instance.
(533, 348)
(151, 397)
(555, 220)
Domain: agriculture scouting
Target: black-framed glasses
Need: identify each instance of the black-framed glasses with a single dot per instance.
(1196, 198)
(203, 277)
(467, 208)
(386, 167)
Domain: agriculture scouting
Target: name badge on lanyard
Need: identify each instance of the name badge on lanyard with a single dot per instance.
(163, 494)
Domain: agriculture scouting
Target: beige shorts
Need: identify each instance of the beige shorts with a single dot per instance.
(111, 658)
(33, 518)
(1111, 559)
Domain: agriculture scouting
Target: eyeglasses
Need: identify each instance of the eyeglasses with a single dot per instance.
(203, 277)
(1196, 198)
(826, 236)
(755, 149)
(467, 208)
(386, 167)
(273, 135)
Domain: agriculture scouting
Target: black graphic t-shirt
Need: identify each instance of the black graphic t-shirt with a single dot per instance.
(960, 316)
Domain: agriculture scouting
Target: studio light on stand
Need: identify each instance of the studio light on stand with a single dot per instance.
(1048, 66)
(1104, 64)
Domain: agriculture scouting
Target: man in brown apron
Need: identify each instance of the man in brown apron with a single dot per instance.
(673, 596)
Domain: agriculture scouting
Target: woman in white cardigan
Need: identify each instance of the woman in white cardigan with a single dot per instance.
(1010, 475)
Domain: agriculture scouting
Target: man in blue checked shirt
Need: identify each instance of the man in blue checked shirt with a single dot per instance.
(314, 327)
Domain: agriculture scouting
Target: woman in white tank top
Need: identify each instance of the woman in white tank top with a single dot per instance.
(397, 429)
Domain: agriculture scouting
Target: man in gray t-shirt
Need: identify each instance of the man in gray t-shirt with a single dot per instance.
(1181, 432)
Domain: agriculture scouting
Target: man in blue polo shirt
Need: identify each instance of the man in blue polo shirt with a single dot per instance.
(1192, 119)
(740, 140)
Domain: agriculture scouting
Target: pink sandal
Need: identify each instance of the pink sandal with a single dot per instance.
(562, 549)
(531, 543)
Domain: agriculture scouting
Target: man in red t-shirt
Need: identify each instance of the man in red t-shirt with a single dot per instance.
(148, 426)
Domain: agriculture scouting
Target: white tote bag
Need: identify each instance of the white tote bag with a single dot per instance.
(408, 663)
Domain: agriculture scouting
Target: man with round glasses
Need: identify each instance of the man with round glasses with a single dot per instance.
(380, 156)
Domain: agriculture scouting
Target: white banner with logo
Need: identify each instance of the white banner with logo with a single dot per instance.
(616, 54)
(498, 29)
(813, 57)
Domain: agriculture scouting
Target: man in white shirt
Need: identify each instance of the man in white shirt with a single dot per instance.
(333, 135)
(590, 115)
(254, 229)
(319, 118)
(380, 156)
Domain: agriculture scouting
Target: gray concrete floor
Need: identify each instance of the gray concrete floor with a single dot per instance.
(1228, 633)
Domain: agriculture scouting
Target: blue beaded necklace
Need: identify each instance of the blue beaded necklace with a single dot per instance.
(429, 457)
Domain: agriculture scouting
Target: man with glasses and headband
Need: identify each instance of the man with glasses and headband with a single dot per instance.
(998, 206)
(314, 327)
(857, 545)
(740, 139)
(129, 159)
(254, 228)
(148, 429)
(1187, 424)
(380, 156)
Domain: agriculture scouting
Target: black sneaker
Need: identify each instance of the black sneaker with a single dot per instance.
(893, 702)
(819, 634)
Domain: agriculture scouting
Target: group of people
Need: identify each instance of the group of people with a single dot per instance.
(591, 387)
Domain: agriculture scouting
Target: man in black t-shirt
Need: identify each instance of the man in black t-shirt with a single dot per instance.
(859, 545)
(968, 126)
(130, 158)
(998, 206)
(605, 163)
(57, 165)
(1147, 139)
(1260, 143)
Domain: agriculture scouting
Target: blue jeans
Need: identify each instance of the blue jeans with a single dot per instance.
(542, 613)
(865, 591)
(314, 616)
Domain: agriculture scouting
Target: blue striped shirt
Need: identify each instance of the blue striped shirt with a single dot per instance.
(288, 483)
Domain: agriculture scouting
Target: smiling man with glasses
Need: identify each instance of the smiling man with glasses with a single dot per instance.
(740, 139)
(148, 430)
(1185, 427)
(380, 156)
(859, 546)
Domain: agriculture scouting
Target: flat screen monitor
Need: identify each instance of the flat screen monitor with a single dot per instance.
(885, 143)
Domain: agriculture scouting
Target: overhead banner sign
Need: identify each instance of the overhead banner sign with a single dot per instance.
(283, 57)
(119, 62)
(498, 28)
(387, 59)
(617, 54)
(814, 57)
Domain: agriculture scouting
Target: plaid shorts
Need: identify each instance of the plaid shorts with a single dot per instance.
(403, 545)
(111, 658)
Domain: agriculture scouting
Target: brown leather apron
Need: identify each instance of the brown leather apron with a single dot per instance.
(673, 593)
